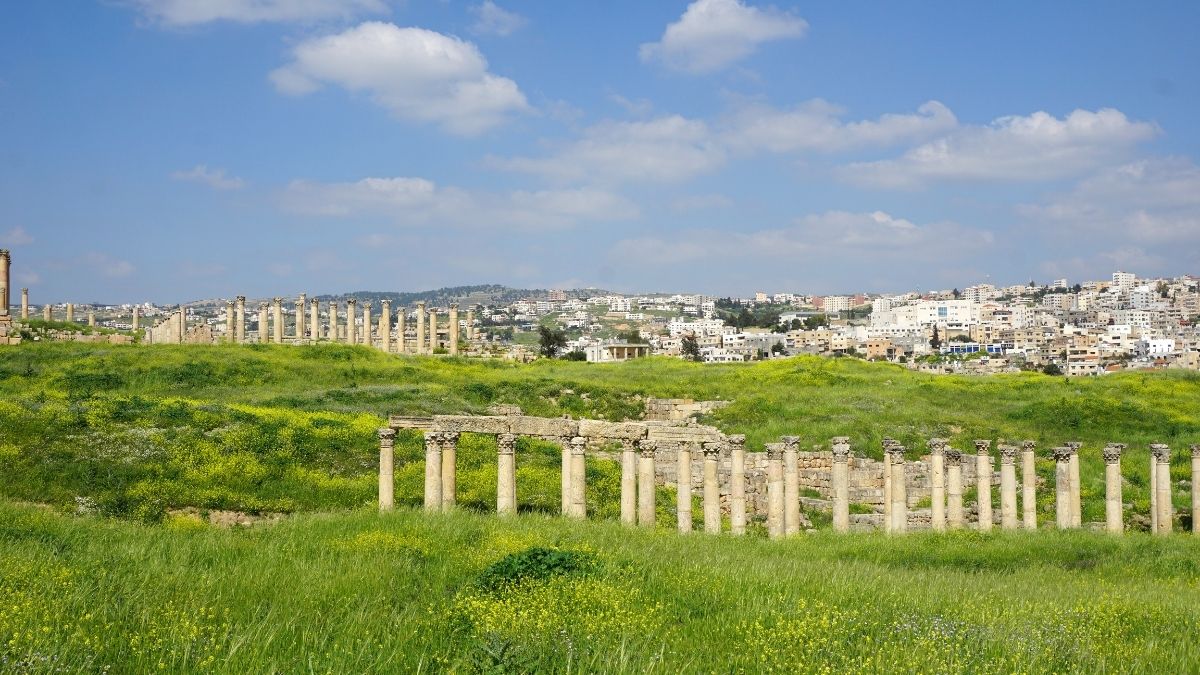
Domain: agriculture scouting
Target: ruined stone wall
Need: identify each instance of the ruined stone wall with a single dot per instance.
(678, 409)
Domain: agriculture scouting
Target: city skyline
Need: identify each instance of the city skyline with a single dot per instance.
(169, 149)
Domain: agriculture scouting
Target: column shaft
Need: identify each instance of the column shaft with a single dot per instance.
(385, 326)
(1028, 486)
(386, 462)
(264, 324)
(645, 484)
(433, 343)
(1008, 488)
(954, 489)
(1076, 504)
(277, 335)
(351, 321)
(628, 484)
(712, 494)
(449, 469)
(240, 328)
(1114, 517)
(433, 472)
(420, 328)
(775, 490)
(937, 485)
(899, 492)
(1062, 488)
(24, 303)
(1162, 483)
(578, 478)
(791, 486)
(1196, 489)
(366, 328)
(565, 478)
(314, 320)
(737, 484)
(453, 330)
(983, 482)
(683, 487)
(887, 489)
(840, 480)
(401, 329)
(230, 323)
(506, 474)
(1153, 483)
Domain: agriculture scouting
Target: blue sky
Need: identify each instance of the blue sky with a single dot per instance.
(177, 149)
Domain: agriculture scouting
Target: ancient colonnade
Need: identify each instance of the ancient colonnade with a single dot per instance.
(639, 453)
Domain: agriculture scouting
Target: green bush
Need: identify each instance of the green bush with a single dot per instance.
(535, 563)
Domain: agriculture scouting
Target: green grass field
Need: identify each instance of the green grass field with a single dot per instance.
(101, 449)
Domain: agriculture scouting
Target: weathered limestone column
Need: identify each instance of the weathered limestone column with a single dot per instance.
(401, 319)
(470, 325)
(775, 490)
(91, 318)
(453, 329)
(1196, 488)
(263, 324)
(366, 338)
(449, 469)
(47, 312)
(983, 483)
(70, 312)
(645, 483)
(230, 322)
(712, 491)
(683, 487)
(385, 326)
(301, 307)
(239, 320)
(387, 440)
(181, 323)
(565, 477)
(1153, 483)
(1162, 488)
(506, 474)
(937, 484)
(899, 491)
(24, 303)
(1114, 515)
(840, 482)
(351, 321)
(5, 264)
(887, 483)
(433, 471)
(1008, 487)
(578, 478)
(135, 323)
(1076, 504)
(628, 483)
(737, 484)
(421, 327)
(1062, 487)
(433, 343)
(333, 327)
(791, 485)
(954, 489)
(1028, 485)
(277, 333)
(314, 320)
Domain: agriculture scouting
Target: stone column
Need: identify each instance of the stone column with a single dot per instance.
(470, 325)
(366, 329)
(683, 487)
(70, 312)
(277, 333)
(385, 326)
(24, 303)
(421, 327)
(1162, 488)
(565, 502)
(314, 320)
(263, 324)
(453, 329)
(1196, 489)
(1062, 487)
(401, 328)
(91, 318)
(887, 484)
(351, 321)
(899, 491)
(737, 484)
(937, 484)
(5, 264)
(791, 485)
(840, 482)
(230, 322)
(1076, 505)
(1114, 513)
(628, 483)
(775, 490)
(1153, 483)
(433, 471)
(954, 489)
(333, 327)
(1008, 487)
(506, 474)
(135, 323)
(181, 321)
(449, 469)
(646, 483)
(301, 307)
(387, 439)
(712, 491)
(239, 326)
(1028, 486)
(47, 312)
(983, 483)
(433, 341)
(578, 478)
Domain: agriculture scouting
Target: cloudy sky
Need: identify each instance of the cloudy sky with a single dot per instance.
(177, 149)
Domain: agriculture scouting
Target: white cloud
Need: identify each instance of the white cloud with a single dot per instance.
(28, 278)
(815, 125)
(712, 34)
(491, 19)
(420, 202)
(664, 149)
(106, 265)
(705, 202)
(1016, 148)
(17, 236)
(636, 107)
(417, 74)
(193, 12)
(214, 178)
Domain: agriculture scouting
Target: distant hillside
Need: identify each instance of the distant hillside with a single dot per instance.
(488, 294)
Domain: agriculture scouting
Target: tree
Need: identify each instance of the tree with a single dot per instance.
(575, 355)
(551, 341)
(631, 336)
(935, 342)
(1052, 369)
(816, 321)
(957, 294)
(690, 348)
(777, 348)
(1078, 288)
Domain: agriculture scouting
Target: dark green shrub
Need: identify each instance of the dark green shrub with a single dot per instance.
(535, 563)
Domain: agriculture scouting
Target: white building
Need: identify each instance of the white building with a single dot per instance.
(1124, 281)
